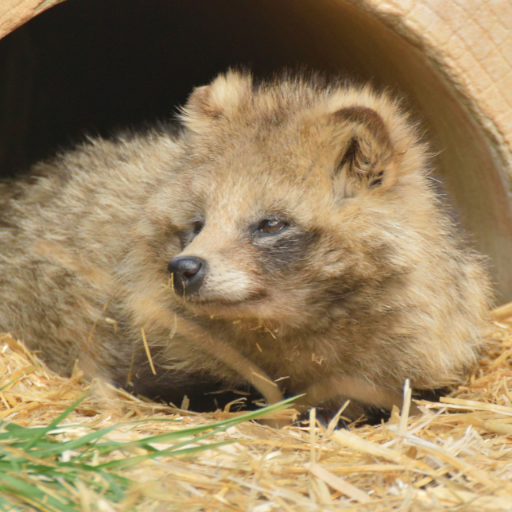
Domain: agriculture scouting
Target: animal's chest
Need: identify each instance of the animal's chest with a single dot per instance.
(293, 363)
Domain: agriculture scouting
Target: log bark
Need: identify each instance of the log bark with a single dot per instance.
(14, 13)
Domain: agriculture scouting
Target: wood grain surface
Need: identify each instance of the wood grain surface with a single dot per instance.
(14, 13)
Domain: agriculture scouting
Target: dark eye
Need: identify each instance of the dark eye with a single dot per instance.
(271, 226)
(197, 226)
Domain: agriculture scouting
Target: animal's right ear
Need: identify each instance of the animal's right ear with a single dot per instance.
(367, 157)
(222, 98)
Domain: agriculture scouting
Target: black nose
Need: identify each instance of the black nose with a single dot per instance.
(188, 274)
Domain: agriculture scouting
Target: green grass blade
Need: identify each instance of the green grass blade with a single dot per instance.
(17, 431)
(33, 472)
(30, 369)
(80, 442)
(18, 487)
(168, 452)
(218, 426)
(56, 421)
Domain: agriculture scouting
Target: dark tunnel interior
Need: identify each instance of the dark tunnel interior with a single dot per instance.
(90, 67)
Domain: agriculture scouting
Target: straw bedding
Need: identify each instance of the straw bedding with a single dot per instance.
(457, 455)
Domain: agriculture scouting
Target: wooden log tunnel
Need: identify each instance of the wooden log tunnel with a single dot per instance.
(94, 66)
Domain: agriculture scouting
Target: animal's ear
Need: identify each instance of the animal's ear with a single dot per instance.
(222, 98)
(366, 159)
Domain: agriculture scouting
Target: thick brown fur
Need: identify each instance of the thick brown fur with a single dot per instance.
(367, 279)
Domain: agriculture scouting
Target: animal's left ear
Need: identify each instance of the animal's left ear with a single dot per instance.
(367, 158)
(221, 98)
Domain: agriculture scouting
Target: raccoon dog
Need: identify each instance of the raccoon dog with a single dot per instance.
(290, 222)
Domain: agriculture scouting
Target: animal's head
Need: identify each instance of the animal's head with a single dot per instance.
(288, 200)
